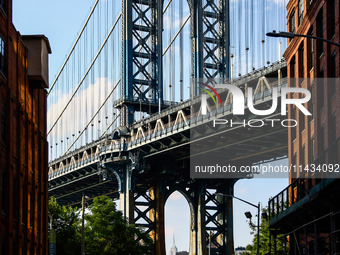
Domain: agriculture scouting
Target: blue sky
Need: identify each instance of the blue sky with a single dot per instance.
(60, 21)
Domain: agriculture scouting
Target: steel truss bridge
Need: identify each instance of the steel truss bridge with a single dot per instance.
(141, 152)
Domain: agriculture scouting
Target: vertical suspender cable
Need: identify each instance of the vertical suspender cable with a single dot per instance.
(74, 45)
(181, 50)
(252, 27)
(239, 36)
(171, 52)
(106, 62)
(246, 33)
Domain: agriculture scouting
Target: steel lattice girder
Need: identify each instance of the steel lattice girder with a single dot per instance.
(210, 33)
(141, 55)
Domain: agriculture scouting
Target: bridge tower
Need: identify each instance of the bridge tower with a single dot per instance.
(142, 89)
(141, 67)
(210, 44)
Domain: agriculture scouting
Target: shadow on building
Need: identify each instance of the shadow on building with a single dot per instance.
(305, 216)
(23, 145)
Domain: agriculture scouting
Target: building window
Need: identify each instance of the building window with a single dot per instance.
(319, 31)
(311, 51)
(300, 11)
(303, 161)
(302, 121)
(322, 138)
(311, 247)
(332, 16)
(332, 76)
(16, 201)
(3, 191)
(320, 93)
(333, 151)
(23, 205)
(3, 5)
(309, 3)
(3, 246)
(293, 129)
(301, 61)
(292, 22)
(312, 149)
(322, 246)
(293, 173)
(311, 101)
(333, 128)
(2, 56)
(3, 123)
(292, 71)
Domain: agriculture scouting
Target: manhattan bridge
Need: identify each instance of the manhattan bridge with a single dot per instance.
(121, 108)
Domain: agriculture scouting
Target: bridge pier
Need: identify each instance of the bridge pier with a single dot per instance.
(157, 216)
(199, 247)
(126, 196)
(144, 205)
(142, 202)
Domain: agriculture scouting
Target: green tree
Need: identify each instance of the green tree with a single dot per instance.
(65, 221)
(107, 233)
(264, 238)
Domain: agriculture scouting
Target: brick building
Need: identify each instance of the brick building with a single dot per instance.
(23, 145)
(307, 213)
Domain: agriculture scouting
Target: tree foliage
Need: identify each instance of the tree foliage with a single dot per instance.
(264, 238)
(66, 222)
(106, 231)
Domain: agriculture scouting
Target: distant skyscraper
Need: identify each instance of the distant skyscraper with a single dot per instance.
(173, 249)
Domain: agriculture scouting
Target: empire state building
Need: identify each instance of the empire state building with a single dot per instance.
(173, 249)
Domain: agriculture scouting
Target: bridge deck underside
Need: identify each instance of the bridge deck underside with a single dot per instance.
(68, 189)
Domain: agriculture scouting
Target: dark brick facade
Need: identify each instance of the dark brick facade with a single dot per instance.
(317, 62)
(306, 214)
(23, 145)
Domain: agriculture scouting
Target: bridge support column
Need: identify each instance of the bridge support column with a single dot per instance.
(127, 197)
(214, 215)
(197, 232)
(226, 219)
(157, 217)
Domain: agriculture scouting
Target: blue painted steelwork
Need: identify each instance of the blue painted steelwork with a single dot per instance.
(210, 39)
(141, 57)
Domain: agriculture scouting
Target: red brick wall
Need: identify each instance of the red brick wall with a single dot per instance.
(23, 154)
(321, 61)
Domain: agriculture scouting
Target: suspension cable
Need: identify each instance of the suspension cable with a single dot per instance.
(86, 73)
(174, 38)
(115, 86)
(73, 47)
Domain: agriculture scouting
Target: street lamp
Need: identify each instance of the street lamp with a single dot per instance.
(292, 35)
(82, 223)
(248, 215)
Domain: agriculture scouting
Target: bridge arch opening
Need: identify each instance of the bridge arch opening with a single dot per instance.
(177, 220)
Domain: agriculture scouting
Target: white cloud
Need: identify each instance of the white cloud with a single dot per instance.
(81, 109)
(175, 196)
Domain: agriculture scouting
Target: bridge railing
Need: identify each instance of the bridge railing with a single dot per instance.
(301, 187)
(77, 157)
(193, 118)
